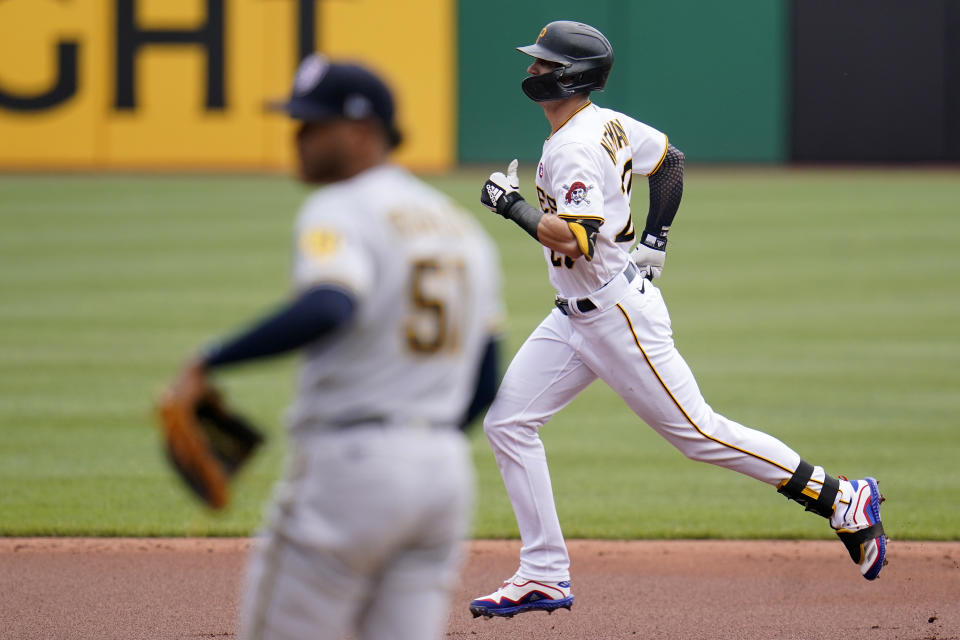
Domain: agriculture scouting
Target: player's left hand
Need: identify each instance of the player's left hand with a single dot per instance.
(650, 261)
(205, 441)
(190, 383)
(501, 190)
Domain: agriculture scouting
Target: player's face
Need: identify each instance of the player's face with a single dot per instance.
(322, 150)
(539, 67)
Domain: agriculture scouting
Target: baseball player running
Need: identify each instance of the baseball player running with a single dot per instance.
(610, 322)
(396, 301)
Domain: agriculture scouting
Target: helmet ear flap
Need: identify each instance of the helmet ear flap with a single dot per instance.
(545, 87)
(564, 82)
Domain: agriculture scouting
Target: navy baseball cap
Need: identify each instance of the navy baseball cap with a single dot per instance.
(324, 90)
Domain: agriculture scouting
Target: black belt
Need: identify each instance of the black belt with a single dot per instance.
(586, 305)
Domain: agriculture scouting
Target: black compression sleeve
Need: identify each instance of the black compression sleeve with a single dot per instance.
(666, 190)
(522, 212)
(312, 315)
(488, 378)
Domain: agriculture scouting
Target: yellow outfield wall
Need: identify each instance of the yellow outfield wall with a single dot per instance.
(181, 84)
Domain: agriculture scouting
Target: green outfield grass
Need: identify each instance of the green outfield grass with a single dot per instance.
(820, 306)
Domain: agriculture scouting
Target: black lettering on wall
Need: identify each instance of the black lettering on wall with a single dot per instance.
(131, 38)
(306, 28)
(63, 89)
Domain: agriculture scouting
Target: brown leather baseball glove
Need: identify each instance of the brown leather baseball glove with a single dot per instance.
(205, 441)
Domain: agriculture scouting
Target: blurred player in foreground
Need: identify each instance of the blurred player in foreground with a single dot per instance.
(610, 322)
(396, 304)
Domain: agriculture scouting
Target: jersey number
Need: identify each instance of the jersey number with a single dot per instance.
(627, 234)
(549, 206)
(437, 292)
(626, 177)
(560, 259)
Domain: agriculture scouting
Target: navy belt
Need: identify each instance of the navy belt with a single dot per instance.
(382, 421)
(378, 421)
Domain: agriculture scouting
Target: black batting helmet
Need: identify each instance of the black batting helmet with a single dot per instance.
(583, 53)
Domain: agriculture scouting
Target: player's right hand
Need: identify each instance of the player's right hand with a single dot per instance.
(650, 261)
(501, 190)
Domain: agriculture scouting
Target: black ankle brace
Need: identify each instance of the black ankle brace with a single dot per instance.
(793, 489)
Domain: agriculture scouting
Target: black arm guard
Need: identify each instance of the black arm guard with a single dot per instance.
(512, 206)
(666, 190)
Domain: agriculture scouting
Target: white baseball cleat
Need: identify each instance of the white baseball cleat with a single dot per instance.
(519, 594)
(858, 524)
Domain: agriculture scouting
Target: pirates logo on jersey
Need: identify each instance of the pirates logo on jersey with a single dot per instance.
(577, 193)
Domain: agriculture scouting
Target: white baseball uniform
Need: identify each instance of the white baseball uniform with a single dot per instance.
(622, 336)
(365, 526)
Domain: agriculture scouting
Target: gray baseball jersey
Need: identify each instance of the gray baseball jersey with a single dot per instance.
(426, 280)
(377, 492)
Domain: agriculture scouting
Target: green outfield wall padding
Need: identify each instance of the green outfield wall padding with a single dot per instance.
(712, 76)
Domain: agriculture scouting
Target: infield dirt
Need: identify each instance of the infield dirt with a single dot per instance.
(103, 588)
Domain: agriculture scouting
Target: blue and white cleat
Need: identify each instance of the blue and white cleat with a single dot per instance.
(518, 595)
(856, 520)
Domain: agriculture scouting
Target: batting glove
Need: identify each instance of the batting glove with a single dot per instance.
(650, 259)
(500, 191)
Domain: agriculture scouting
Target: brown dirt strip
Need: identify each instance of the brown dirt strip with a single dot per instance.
(101, 589)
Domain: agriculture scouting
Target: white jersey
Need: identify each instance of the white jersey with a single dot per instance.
(623, 338)
(586, 171)
(425, 278)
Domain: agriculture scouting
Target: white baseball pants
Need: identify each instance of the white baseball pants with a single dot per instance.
(364, 538)
(627, 343)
